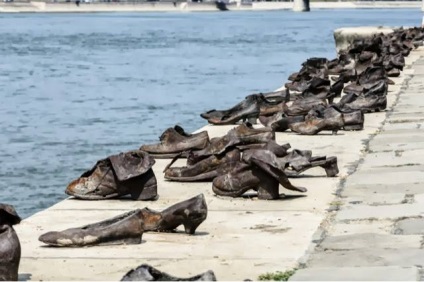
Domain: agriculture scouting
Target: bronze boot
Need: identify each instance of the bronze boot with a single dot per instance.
(190, 213)
(353, 119)
(10, 247)
(116, 176)
(146, 272)
(246, 177)
(123, 229)
(175, 141)
(269, 163)
(371, 103)
(204, 170)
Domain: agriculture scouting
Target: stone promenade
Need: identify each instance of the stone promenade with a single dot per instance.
(375, 230)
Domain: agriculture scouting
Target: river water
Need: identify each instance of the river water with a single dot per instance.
(79, 87)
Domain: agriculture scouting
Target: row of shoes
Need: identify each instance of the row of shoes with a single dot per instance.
(366, 65)
(243, 159)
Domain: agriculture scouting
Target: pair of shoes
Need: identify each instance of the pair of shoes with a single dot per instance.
(258, 171)
(175, 141)
(128, 228)
(146, 272)
(116, 176)
(10, 247)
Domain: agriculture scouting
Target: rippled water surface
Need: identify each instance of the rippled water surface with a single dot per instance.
(78, 87)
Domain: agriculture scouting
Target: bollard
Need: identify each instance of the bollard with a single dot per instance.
(301, 6)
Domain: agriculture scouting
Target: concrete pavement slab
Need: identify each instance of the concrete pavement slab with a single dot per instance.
(365, 240)
(387, 273)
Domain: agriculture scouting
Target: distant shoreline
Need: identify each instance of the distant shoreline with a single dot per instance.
(43, 7)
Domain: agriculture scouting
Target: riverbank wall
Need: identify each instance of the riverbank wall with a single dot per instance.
(45, 7)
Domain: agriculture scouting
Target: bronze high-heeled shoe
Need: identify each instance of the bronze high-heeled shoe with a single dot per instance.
(190, 213)
(123, 229)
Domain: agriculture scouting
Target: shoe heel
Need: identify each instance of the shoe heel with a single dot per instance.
(268, 190)
(330, 166)
(190, 227)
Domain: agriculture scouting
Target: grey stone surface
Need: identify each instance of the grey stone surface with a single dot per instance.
(409, 226)
(364, 226)
(359, 212)
(365, 240)
(410, 188)
(368, 257)
(370, 198)
(386, 273)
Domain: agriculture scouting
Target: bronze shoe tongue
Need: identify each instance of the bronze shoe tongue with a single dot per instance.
(131, 164)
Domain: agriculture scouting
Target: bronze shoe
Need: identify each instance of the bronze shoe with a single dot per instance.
(116, 176)
(353, 119)
(298, 161)
(146, 272)
(190, 213)
(203, 170)
(314, 124)
(259, 171)
(10, 247)
(279, 122)
(276, 149)
(123, 229)
(246, 177)
(371, 103)
(247, 110)
(302, 106)
(269, 163)
(243, 134)
(175, 141)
